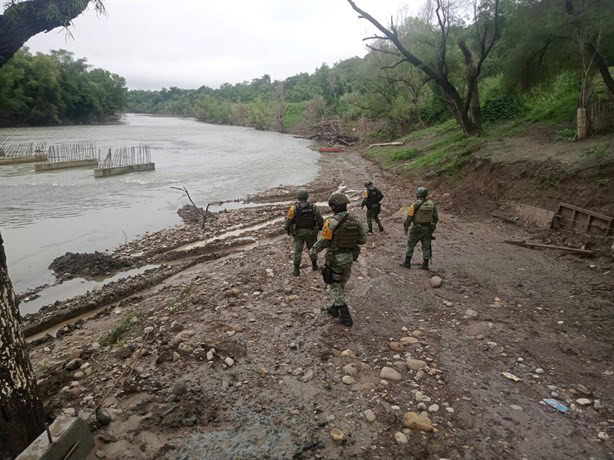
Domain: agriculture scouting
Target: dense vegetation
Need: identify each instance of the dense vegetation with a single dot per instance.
(47, 89)
(548, 56)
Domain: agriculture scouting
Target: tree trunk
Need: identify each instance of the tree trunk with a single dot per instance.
(23, 20)
(22, 417)
(472, 105)
(602, 66)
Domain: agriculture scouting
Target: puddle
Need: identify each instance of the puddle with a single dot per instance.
(75, 287)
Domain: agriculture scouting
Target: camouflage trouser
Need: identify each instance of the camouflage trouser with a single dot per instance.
(300, 240)
(419, 233)
(373, 215)
(341, 265)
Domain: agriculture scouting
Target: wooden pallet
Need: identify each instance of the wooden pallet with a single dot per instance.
(583, 220)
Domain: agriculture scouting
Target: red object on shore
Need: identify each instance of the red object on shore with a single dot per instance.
(331, 149)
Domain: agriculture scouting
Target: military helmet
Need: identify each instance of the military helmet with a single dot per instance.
(338, 199)
(302, 194)
(367, 183)
(422, 192)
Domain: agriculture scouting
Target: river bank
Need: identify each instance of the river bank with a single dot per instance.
(234, 357)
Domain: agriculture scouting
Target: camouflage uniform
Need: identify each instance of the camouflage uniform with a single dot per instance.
(371, 199)
(339, 260)
(304, 231)
(425, 223)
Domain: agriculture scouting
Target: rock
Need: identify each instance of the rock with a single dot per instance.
(95, 346)
(148, 330)
(348, 380)
(401, 438)
(269, 273)
(210, 355)
(421, 406)
(471, 313)
(433, 408)
(69, 411)
(389, 373)
(73, 365)
(415, 421)
(515, 407)
(183, 336)
(180, 388)
(583, 401)
(603, 436)
(337, 435)
(229, 361)
(436, 282)
(47, 350)
(78, 375)
(176, 356)
(308, 376)
(421, 397)
(263, 371)
(396, 346)
(369, 415)
(350, 370)
(539, 370)
(103, 416)
(417, 333)
(447, 303)
(409, 340)
(348, 353)
(450, 410)
(415, 364)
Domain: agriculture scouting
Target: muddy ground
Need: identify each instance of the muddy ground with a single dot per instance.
(232, 357)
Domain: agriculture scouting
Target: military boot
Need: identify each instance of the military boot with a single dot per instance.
(297, 270)
(406, 263)
(344, 315)
(381, 228)
(370, 230)
(314, 265)
(425, 264)
(333, 310)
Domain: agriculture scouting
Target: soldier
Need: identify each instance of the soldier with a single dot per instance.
(341, 236)
(303, 222)
(423, 214)
(371, 200)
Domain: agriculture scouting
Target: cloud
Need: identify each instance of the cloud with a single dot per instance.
(190, 43)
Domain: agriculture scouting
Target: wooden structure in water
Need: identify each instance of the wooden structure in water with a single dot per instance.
(62, 156)
(124, 161)
(26, 152)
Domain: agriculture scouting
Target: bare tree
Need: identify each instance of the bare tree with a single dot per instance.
(280, 106)
(22, 417)
(444, 14)
(22, 19)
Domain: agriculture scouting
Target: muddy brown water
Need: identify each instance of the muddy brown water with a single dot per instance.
(46, 215)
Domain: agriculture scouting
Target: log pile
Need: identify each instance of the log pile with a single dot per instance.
(331, 132)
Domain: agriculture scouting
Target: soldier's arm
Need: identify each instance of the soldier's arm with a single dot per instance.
(410, 217)
(319, 218)
(289, 219)
(327, 237)
(381, 195)
(363, 233)
(435, 215)
(364, 199)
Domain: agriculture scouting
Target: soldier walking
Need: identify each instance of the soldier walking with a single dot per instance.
(371, 200)
(342, 236)
(423, 214)
(303, 222)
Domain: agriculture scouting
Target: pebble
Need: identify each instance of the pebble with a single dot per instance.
(210, 355)
(436, 281)
(369, 415)
(421, 397)
(95, 346)
(417, 333)
(421, 406)
(180, 388)
(389, 373)
(229, 361)
(415, 364)
(433, 408)
(47, 350)
(396, 346)
(176, 356)
(348, 380)
(103, 417)
(308, 376)
(148, 330)
(78, 375)
(401, 438)
(415, 421)
(69, 411)
(73, 365)
(603, 436)
(409, 340)
(447, 303)
(450, 410)
(419, 376)
(471, 313)
(350, 370)
(539, 370)
(348, 353)
(583, 401)
(515, 407)
(337, 434)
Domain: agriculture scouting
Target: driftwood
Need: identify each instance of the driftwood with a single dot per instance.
(549, 246)
(204, 212)
(386, 144)
(331, 132)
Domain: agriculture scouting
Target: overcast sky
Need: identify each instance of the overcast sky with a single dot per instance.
(190, 43)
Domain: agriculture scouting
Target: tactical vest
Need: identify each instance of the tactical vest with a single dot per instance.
(346, 235)
(424, 215)
(305, 216)
(373, 196)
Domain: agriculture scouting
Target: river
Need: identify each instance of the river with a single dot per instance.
(44, 215)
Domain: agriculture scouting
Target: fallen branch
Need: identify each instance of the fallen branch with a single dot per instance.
(385, 144)
(548, 246)
(204, 213)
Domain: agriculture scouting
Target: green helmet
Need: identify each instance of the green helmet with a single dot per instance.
(302, 194)
(337, 199)
(422, 192)
(367, 183)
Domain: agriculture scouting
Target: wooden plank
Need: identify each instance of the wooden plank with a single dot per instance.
(549, 246)
(385, 144)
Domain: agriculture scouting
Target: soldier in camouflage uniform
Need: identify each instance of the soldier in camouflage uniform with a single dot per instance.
(342, 236)
(423, 214)
(371, 200)
(303, 222)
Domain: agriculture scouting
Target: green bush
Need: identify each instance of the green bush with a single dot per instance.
(556, 101)
(566, 135)
(404, 154)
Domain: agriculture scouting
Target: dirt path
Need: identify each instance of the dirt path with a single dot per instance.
(544, 317)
